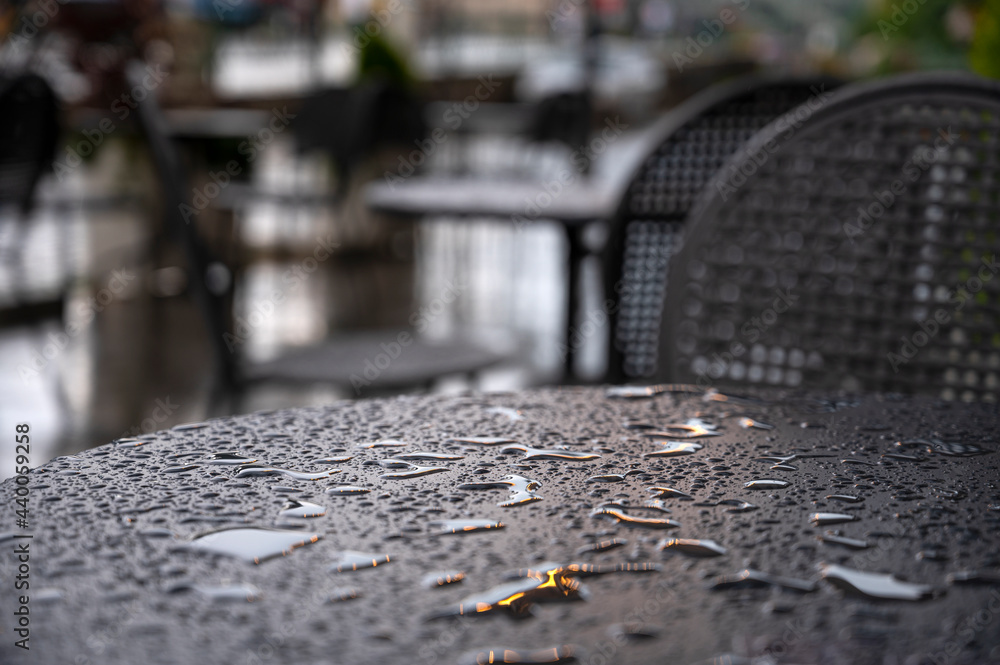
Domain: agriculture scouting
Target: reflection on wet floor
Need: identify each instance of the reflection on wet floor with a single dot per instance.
(137, 363)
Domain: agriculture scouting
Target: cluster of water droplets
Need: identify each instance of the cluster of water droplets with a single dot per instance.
(666, 481)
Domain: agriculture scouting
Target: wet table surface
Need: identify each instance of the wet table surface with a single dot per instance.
(635, 526)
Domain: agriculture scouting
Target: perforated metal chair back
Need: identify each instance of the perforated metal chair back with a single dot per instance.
(691, 143)
(852, 246)
(29, 130)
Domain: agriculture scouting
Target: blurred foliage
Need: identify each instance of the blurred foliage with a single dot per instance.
(900, 35)
(984, 55)
(379, 59)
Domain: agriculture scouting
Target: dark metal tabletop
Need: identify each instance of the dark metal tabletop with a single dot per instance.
(663, 525)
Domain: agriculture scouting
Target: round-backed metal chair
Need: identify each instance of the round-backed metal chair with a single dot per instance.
(690, 144)
(851, 245)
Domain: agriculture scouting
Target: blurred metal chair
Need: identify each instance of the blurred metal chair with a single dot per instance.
(338, 361)
(29, 130)
(691, 143)
(349, 123)
(851, 245)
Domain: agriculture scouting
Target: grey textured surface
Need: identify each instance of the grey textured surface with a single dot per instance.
(113, 579)
(364, 361)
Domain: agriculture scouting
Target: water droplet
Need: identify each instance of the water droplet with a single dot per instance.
(484, 440)
(657, 505)
(602, 546)
(835, 538)
(563, 653)
(948, 448)
(512, 414)
(713, 395)
(695, 548)
(954, 495)
(347, 490)
(904, 458)
(612, 477)
(539, 453)
(932, 554)
(873, 585)
(251, 471)
(341, 594)
(973, 577)
(434, 580)
(693, 428)
(390, 463)
(517, 597)
(748, 423)
(766, 484)
(302, 509)
(751, 579)
(333, 460)
(956, 449)
(181, 469)
(633, 392)
(738, 505)
(186, 427)
(384, 443)
(412, 470)
(642, 522)
(349, 560)
(588, 569)
(846, 498)
(424, 456)
(675, 449)
(252, 544)
(465, 525)
(823, 519)
(669, 493)
(521, 490)
(777, 459)
(230, 458)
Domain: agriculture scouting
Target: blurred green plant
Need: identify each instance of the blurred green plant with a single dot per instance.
(900, 35)
(379, 59)
(984, 54)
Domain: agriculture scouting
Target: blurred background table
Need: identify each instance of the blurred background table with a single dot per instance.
(910, 485)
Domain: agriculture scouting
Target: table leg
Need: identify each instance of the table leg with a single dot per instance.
(577, 253)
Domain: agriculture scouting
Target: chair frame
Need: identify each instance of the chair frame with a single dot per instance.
(852, 100)
(665, 130)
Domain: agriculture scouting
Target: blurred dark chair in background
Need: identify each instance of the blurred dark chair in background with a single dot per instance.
(564, 117)
(338, 361)
(349, 123)
(689, 146)
(857, 252)
(29, 130)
